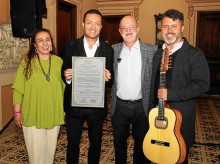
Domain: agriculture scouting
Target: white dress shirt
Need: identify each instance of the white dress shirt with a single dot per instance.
(129, 73)
(90, 52)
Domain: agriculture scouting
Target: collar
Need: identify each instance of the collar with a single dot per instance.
(176, 47)
(87, 45)
(136, 45)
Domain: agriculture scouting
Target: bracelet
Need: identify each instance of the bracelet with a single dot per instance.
(17, 113)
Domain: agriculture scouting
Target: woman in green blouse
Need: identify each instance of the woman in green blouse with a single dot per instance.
(38, 98)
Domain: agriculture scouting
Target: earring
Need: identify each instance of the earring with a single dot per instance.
(36, 50)
(51, 50)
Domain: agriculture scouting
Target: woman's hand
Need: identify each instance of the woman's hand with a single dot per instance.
(18, 120)
(17, 115)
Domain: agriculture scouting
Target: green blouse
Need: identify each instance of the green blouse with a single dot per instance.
(41, 101)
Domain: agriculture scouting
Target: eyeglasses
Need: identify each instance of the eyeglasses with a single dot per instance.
(132, 27)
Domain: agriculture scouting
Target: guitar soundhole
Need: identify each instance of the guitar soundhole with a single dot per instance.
(161, 123)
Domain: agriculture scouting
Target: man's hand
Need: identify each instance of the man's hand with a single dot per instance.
(68, 74)
(162, 94)
(107, 75)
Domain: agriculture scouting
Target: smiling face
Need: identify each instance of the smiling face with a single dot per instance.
(128, 29)
(171, 30)
(92, 26)
(43, 43)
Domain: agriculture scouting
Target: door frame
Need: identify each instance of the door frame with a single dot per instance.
(193, 9)
(69, 24)
(78, 4)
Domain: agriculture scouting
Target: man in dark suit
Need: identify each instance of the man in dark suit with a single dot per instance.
(89, 45)
(130, 92)
(187, 77)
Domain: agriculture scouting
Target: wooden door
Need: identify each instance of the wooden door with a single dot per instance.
(208, 40)
(66, 24)
(110, 26)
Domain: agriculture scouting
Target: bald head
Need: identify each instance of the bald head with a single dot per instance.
(127, 19)
(128, 29)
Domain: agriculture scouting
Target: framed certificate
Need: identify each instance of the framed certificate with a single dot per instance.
(88, 81)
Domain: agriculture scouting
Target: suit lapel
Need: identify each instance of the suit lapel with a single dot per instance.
(81, 48)
(159, 56)
(156, 62)
(144, 59)
(117, 52)
(100, 52)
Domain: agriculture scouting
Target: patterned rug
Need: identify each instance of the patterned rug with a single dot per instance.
(205, 150)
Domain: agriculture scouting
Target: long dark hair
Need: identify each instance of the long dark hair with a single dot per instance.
(32, 52)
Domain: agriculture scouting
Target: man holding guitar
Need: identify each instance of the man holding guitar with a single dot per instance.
(187, 76)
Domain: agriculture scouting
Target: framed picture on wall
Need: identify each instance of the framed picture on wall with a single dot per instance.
(158, 40)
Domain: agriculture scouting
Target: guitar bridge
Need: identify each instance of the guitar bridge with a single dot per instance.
(161, 143)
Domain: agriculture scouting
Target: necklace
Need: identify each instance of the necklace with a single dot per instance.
(48, 73)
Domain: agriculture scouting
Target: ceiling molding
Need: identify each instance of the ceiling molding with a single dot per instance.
(202, 1)
(119, 7)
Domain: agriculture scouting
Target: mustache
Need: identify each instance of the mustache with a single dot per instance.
(127, 33)
(170, 34)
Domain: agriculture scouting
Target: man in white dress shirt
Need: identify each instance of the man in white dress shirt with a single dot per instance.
(89, 45)
(130, 92)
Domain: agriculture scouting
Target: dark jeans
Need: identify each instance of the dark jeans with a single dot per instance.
(74, 128)
(124, 115)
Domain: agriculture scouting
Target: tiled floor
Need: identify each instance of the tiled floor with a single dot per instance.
(205, 150)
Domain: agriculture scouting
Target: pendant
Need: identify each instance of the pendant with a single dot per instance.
(47, 78)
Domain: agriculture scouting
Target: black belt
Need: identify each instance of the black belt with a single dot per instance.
(130, 101)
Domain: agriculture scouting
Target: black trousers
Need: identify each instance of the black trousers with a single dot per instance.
(74, 128)
(124, 115)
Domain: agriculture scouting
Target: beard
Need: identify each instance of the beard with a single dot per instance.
(175, 39)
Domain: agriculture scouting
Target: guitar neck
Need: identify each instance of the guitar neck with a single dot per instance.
(162, 80)
(161, 101)
(161, 109)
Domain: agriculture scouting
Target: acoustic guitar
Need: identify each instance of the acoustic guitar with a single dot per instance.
(163, 142)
